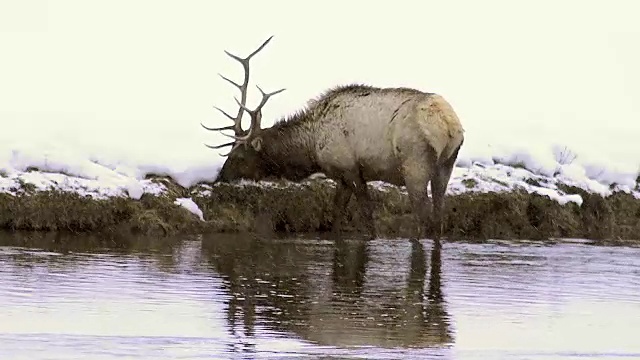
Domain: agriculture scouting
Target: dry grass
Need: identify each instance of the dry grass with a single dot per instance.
(54, 210)
(307, 208)
(504, 215)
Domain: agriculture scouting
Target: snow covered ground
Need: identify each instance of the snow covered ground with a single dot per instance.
(45, 168)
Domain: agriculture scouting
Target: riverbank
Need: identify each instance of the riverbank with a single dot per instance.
(494, 201)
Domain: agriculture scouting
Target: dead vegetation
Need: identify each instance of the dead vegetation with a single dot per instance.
(307, 208)
(67, 211)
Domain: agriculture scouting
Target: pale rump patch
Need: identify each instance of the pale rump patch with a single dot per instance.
(440, 124)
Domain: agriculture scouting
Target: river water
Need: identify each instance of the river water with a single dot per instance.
(240, 297)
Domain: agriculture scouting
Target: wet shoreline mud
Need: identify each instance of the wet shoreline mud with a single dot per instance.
(286, 208)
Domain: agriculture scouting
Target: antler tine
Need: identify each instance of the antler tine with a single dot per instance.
(246, 59)
(223, 145)
(239, 86)
(256, 114)
(266, 96)
(230, 127)
(219, 146)
(245, 83)
(258, 111)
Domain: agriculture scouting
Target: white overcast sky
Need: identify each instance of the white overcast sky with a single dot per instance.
(139, 75)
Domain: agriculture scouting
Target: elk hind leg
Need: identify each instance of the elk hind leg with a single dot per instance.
(439, 184)
(417, 175)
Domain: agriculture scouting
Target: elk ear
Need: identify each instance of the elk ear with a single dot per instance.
(257, 143)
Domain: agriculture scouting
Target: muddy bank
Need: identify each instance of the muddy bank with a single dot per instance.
(303, 208)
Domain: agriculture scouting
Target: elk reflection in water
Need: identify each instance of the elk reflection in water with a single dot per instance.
(343, 293)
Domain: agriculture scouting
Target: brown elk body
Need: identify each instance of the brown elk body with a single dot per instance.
(353, 134)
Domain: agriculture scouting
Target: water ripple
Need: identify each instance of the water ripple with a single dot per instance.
(234, 297)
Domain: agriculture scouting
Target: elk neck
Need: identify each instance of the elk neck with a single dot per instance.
(288, 150)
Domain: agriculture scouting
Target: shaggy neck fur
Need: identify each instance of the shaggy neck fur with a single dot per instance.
(288, 151)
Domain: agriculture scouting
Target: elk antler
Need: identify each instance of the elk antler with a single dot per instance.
(256, 116)
(237, 120)
(254, 129)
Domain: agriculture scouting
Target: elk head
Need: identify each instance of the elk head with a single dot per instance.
(244, 160)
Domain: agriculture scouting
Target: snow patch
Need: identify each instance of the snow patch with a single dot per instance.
(190, 205)
(15, 183)
(541, 162)
(499, 178)
(537, 169)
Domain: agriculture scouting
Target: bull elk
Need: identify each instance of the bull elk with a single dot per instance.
(353, 134)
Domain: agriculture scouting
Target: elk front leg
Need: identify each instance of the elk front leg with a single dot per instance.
(340, 201)
(366, 206)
